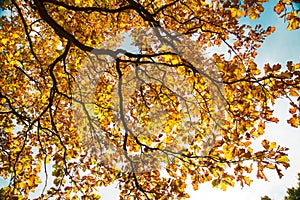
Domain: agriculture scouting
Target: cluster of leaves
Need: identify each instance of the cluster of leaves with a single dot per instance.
(213, 108)
(289, 10)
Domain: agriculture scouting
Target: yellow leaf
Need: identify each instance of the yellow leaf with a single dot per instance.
(4, 41)
(294, 121)
(296, 66)
(253, 16)
(270, 166)
(293, 24)
(163, 48)
(247, 180)
(167, 57)
(78, 2)
(272, 146)
(181, 69)
(223, 186)
(293, 92)
(283, 159)
(175, 61)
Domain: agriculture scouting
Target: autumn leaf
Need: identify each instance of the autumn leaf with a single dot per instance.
(279, 7)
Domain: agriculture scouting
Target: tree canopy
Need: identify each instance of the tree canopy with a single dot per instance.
(97, 92)
(292, 193)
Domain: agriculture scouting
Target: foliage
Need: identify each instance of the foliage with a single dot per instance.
(292, 193)
(291, 15)
(265, 198)
(212, 108)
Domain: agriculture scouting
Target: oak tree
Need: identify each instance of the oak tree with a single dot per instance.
(79, 109)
